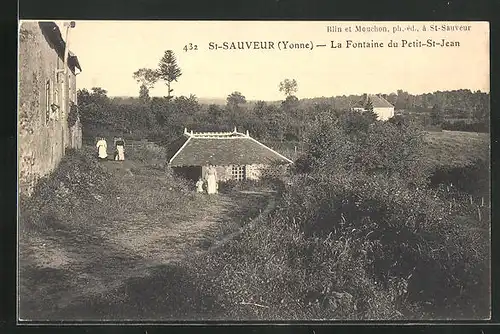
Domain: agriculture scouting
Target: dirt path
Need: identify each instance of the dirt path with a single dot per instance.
(150, 224)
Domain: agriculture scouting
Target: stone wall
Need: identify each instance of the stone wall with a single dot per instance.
(43, 133)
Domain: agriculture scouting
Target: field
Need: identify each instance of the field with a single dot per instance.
(455, 148)
(98, 238)
(443, 148)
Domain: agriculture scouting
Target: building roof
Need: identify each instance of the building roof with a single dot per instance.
(377, 102)
(222, 149)
(53, 34)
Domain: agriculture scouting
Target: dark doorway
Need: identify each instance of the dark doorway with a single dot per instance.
(190, 173)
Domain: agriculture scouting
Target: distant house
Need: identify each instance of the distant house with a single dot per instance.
(48, 122)
(383, 108)
(236, 156)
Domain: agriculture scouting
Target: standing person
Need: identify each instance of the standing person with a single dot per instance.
(199, 185)
(120, 149)
(102, 148)
(211, 180)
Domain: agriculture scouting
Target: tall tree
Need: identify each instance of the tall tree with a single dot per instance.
(147, 78)
(235, 99)
(369, 113)
(168, 70)
(288, 87)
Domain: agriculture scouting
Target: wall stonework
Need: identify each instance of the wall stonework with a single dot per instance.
(43, 134)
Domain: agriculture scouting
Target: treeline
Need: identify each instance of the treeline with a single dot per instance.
(164, 118)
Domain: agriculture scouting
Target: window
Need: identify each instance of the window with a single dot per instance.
(47, 102)
(238, 172)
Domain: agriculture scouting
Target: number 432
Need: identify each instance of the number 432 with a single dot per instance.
(190, 47)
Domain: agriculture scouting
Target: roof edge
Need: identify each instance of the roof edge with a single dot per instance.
(270, 149)
(179, 150)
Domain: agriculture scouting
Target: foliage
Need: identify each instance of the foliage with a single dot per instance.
(288, 87)
(290, 103)
(355, 142)
(144, 93)
(358, 235)
(436, 116)
(462, 125)
(235, 99)
(73, 114)
(168, 70)
(146, 77)
(365, 227)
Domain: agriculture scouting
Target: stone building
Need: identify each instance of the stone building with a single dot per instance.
(235, 155)
(48, 120)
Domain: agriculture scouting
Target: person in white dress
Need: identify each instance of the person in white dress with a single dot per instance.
(102, 148)
(211, 180)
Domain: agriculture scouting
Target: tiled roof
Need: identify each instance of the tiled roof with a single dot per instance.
(377, 102)
(224, 150)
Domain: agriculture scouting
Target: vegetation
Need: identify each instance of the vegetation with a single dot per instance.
(288, 87)
(235, 99)
(376, 220)
(360, 234)
(99, 240)
(168, 70)
(147, 78)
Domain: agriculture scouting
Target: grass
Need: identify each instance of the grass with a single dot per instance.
(102, 240)
(455, 148)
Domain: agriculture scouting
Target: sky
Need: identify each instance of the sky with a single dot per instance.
(111, 51)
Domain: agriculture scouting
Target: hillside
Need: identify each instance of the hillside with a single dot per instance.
(455, 148)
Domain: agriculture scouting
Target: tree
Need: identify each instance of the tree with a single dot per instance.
(288, 87)
(144, 93)
(168, 70)
(215, 112)
(235, 99)
(291, 102)
(436, 115)
(260, 109)
(147, 78)
(369, 113)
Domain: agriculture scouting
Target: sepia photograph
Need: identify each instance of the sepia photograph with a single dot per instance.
(214, 171)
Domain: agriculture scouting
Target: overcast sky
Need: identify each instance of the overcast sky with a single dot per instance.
(110, 51)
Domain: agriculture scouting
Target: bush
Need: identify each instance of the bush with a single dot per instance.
(274, 272)
(77, 179)
(147, 152)
(366, 147)
(404, 235)
(467, 126)
(358, 235)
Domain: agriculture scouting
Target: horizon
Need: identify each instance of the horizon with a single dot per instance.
(301, 98)
(110, 51)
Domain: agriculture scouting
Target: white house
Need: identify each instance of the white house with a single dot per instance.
(381, 106)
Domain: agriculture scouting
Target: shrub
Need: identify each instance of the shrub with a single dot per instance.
(467, 126)
(406, 236)
(366, 147)
(147, 152)
(274, 272)
(352, 238)
(78, 178)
